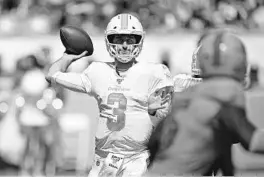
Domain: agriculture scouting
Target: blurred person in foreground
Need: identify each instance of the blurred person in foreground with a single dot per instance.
(254, 97)
(37, 113)
(183, 81)
(132, 97)
(208, 118)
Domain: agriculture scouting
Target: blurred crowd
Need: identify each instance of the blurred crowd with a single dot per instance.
(29, 116)
(47, 16)
(32, 140)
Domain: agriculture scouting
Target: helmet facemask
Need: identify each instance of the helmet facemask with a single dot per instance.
(124, 52)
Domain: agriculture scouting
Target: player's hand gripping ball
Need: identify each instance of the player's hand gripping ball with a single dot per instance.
(76, 40)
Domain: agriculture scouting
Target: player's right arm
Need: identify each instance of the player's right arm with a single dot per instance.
(57, 74)
(236, 121)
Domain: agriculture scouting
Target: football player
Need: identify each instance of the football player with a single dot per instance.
(132, 97)
(208, 118)
(184, 81)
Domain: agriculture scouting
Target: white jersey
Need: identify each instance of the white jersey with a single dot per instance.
(184, 81)
(124, 99)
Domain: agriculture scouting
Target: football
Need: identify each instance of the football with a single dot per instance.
(76, 40)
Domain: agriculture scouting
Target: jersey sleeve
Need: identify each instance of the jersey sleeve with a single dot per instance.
(79, 82)
(184, 81)
(162, 79)
(179, 81)
(87, 77)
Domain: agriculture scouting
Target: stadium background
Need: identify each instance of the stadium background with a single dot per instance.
(172, 26)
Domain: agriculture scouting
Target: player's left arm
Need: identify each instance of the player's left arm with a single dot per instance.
(161, 94)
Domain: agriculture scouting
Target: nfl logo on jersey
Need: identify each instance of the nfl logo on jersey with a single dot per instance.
(119, 81)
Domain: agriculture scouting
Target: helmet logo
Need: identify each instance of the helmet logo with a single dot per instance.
(119, 80)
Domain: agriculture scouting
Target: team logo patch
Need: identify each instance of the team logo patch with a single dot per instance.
(119, 80)
(114, 162)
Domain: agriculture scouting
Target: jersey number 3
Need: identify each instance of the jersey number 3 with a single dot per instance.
(120, 99)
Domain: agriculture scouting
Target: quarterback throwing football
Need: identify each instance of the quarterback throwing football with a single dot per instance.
(130, 97)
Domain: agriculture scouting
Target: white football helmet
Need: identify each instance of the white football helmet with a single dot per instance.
(124, 24)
